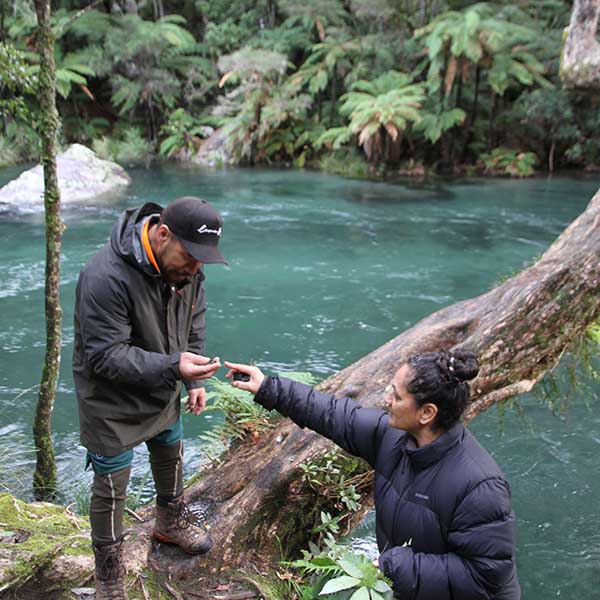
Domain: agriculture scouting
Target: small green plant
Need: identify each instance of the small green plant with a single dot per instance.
(85, 131)
(18, 143)
(128, 148)
(337, 573)
(17, 455)
(244, 419)
(593, 333)
(183, 134)
(339, 476)
(348, 164)
(507, 161)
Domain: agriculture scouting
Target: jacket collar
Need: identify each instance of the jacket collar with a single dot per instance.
(424, 457)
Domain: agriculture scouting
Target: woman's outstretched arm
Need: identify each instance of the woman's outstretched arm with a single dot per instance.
(356, 429)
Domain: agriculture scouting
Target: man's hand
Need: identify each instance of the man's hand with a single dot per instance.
(195, 366)
(256, 376)
(196, 401)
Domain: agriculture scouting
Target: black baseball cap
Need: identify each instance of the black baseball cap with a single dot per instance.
(197, 225)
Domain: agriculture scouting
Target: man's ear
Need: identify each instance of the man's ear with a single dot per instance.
(163, 233)
(427, 413)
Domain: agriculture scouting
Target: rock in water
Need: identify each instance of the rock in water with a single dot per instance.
(214, 152)
(83, 178)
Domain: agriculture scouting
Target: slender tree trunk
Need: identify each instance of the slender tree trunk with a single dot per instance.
(2, 22)
(153, 132)
(44, 479)
(492, 123)
(475, 96)
(473, 115)
(551, 157)
(333, 92)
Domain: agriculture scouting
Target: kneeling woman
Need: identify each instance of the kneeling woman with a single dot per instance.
(445, 527)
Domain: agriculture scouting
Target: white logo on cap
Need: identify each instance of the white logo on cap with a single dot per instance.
(205, 229)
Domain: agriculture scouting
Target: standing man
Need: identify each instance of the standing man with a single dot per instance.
(139, 332)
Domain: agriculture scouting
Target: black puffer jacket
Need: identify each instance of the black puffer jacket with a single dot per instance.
(130, 328)
(448, 501)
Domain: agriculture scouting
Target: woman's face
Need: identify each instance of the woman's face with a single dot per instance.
(401, 404)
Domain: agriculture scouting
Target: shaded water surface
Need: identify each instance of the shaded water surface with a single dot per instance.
(322, 271)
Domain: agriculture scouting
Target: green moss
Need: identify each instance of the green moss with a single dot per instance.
(153, 586)
(50, 530)
(269, 586)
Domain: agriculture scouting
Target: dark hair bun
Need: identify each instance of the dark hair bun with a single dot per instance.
(457, 366)
(465, 364)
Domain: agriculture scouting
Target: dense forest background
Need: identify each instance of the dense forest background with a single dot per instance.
(359, 87)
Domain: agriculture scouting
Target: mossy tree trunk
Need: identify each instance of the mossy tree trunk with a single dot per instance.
(44, 479)
(580, 62)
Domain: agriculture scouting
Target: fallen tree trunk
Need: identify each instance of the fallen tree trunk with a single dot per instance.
(519, 330)
(580, 62)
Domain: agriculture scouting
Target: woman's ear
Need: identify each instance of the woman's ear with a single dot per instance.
(427, 413)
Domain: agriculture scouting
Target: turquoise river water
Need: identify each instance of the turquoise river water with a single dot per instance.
(322, 270)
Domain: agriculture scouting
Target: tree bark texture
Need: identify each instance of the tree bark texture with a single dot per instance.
(580, 63)
(44, 479)
(262, 511)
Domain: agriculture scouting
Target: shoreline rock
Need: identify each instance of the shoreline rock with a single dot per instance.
(83, 178)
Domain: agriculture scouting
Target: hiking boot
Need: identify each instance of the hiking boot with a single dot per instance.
(110, 572)
(175, 524)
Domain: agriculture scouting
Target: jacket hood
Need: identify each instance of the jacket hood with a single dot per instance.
(126, 238)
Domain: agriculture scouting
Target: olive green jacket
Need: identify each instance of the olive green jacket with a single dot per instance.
(130, 328)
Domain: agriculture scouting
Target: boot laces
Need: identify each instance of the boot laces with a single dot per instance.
(185, 518)
(114, 589)
(110, 568)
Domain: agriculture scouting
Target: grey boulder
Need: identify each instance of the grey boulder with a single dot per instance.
(83, 178)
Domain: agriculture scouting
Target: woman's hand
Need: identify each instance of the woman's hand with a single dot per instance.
(256, 376)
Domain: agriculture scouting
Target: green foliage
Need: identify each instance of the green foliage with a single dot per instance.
(506, 161)
(149, 64)
(347, 163)
(20, 143)
(338, 476)
(183, 134)
(382, 108)
(69, 71)
(17, 80)
(85, 131)
(593, 332)
(17, 455)
(243, 419)
(457, 42)
(289, 73)
(332, 58)
(547, 121)
(573, 373)
(433, 125)
(265, 112)
(128, 147)
(314, 14)
(337, 573)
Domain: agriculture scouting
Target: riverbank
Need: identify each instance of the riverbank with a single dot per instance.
(353, 166)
